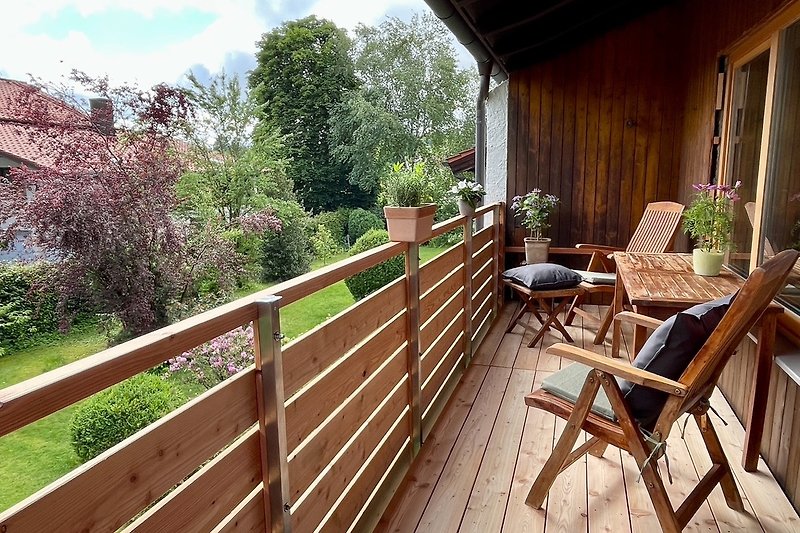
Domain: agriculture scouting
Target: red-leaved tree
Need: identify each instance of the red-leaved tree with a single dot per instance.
(100, 201)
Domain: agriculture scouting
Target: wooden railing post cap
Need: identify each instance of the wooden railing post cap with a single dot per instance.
(268, 299)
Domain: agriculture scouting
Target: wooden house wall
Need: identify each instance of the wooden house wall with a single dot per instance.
(627, 119)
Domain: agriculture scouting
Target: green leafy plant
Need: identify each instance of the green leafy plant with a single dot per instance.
(372, 279)
(360, 222)
(115, 414)
(709, 220)
(324, 245)
(534, 209)
(406, 185)
(336, 222)
(469, 191)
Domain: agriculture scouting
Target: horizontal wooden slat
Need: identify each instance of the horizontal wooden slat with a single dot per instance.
(322, 497)
(480, 292)
(484, 310)
(481, 211)
(448, 225)
(316, 403)
(481, 329)
(384, 456)
(248, 517)
(205, 499)
(312, 353)
(554, 250)
(440, 346)
(449, 361)
(482, 238)
(437, 268)
(481, 257)
(109, 490)
(439, 401)
(433, 327)
(438, 295)
(480, 277)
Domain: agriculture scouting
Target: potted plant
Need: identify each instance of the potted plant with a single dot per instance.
(408, 217)
(534, 209)
(468, 193)
(709, 221)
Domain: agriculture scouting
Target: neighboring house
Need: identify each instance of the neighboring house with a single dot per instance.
(19, 146)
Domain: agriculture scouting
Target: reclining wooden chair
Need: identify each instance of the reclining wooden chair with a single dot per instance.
(654, 234)
(689, 394)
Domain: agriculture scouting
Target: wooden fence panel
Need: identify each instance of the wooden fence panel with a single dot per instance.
(312, 353)
(439, 267)
(440, 347)
(205, 499)
(433, 327)
(450, 361)
(109, 490)
(314, 404)
(436, 297)
(248, 517)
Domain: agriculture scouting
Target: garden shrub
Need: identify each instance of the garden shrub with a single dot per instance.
(374, 278)
(324, 245)
(115, 414)
(26, 310)
(287, 253)
(336, 222)
(360, 222)
(218, 359)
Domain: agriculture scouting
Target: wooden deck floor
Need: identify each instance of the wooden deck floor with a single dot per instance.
(476, 467)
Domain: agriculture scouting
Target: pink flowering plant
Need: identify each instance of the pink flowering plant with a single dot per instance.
(709, 220)
(217, 359)
(534, 209)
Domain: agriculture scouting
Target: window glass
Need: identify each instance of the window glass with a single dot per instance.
(747, 121)
(781, 217)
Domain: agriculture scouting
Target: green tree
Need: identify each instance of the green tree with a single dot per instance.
(415, 102)
(237, 165)
(303, 71)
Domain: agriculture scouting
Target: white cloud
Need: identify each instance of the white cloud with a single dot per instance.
(236, 29)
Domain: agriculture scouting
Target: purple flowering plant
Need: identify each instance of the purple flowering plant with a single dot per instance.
(534, 209)
(709, 220)
(218, 359)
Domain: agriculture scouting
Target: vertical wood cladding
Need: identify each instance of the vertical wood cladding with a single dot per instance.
(623, 120)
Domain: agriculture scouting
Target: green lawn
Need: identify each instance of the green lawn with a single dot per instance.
(34, 456)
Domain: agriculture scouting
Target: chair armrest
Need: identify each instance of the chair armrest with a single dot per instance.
(637, 319)
(605, 250)
(618, 368)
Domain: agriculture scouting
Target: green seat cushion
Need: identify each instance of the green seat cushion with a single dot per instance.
(598, 278)
(567, 384)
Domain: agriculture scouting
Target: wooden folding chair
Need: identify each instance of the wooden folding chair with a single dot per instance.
(536, 302)
(655, 234)
(689, 394)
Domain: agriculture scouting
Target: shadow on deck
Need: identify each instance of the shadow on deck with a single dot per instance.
(482, 456)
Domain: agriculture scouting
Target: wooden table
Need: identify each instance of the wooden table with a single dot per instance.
(661, 285)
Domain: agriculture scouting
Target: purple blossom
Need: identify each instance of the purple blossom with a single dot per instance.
(217, 359)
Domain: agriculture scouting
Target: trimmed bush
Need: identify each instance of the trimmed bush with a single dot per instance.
(287, 254)
(115, 414)
(26, 311)
(374, 278)
(360, 222)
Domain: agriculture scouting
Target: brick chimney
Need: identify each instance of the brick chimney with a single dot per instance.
(102, 115)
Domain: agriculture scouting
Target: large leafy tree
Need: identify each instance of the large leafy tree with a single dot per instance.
(303, 71)
(415, 102)
(236, 165)
(101, 202)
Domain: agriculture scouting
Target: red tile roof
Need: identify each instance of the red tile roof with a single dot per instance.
(16, 133)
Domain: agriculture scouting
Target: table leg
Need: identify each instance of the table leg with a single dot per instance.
(639, 333)
(619, 298)
(759, 391)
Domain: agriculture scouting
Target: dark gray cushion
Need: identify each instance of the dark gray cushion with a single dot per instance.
(543, 276)
(567, 384)
(668, 352)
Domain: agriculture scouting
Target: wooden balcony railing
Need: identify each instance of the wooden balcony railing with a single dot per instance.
(316, 435)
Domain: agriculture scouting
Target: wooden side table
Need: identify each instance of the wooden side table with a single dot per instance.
(661, 285)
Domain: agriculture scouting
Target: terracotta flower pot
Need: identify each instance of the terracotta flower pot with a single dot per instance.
(410, 224)
(536, 250)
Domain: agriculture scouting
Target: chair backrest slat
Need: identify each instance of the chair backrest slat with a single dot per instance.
(657, 228)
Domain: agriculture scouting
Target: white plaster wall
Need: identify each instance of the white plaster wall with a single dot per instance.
(497, 144)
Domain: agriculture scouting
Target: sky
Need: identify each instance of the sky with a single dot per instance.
(152, 41)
